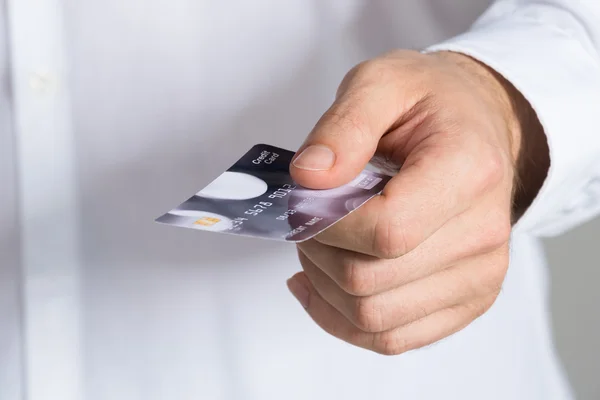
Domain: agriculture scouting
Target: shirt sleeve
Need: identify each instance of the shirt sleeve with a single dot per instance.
(550, 51)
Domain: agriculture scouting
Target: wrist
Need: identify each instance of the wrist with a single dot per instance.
(526, 139)
(498, 93)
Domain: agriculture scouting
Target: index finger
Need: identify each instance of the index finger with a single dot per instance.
(434, 185)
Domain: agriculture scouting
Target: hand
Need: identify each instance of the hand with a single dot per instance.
(429, 255)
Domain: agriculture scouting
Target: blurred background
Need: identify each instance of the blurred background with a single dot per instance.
(575, 272)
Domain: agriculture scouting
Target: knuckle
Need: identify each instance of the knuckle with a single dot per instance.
(368, 317)
(498, 275)
(355, 279)
(390, 241)
(377, 69)
(391, 344)
(367, 72)
(490, 301)
(497, 229)
(350, 76)
(491, 285)
(490, 168)
(479, 308)
(483, 306)
(494, 285)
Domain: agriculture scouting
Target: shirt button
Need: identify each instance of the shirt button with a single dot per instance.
(43, 82)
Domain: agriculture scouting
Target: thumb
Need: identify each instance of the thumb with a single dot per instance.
(346, 137)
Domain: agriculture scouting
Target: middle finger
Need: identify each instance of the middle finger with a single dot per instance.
(475, 277)
(365, 275)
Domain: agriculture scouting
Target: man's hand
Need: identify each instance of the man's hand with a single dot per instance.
(429, 255)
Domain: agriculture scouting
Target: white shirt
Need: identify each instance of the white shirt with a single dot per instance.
(113, 111)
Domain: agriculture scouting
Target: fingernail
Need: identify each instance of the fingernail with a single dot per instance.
(299, 290)
(315, 158)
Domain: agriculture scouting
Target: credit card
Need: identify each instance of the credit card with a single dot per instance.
(257, 197)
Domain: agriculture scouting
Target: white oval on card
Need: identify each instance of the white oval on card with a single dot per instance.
(234, 186)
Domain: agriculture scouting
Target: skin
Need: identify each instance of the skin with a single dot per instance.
(429, 255)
